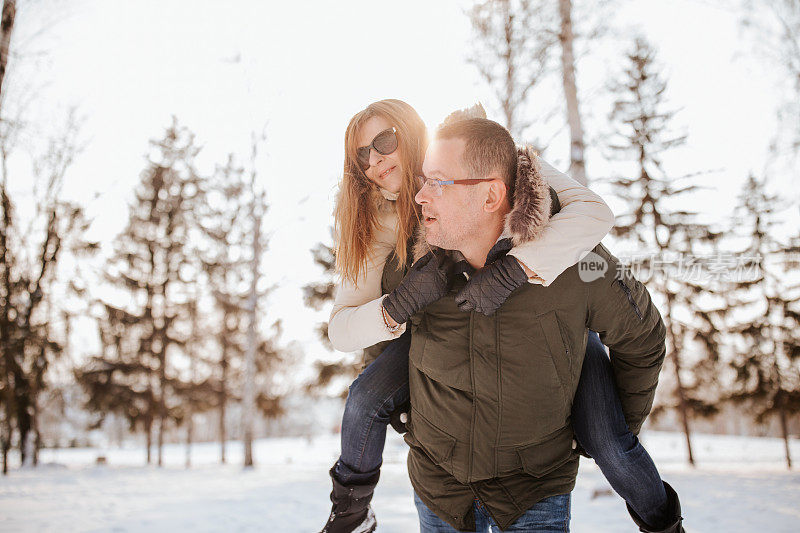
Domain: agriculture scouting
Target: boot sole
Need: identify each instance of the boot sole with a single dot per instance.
(369, 525)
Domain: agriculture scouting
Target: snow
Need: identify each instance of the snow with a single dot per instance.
(741, 484)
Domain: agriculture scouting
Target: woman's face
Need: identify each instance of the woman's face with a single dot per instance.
(384, 170)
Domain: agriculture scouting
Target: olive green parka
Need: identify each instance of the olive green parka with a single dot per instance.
(491, 396)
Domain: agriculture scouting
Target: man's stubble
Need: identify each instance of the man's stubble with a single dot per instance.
(455, 234)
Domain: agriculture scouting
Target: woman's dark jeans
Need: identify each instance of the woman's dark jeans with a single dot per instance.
(597, 418)
(601, 430)
(373, 396)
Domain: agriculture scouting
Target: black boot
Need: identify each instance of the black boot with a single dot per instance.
(673, 522)
(351, 512)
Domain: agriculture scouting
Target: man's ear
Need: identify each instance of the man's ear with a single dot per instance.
(496, 196)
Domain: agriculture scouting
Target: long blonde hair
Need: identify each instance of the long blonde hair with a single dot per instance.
(356, 215)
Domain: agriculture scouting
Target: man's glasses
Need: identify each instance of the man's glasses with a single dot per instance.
(436, 186)
(384, 143)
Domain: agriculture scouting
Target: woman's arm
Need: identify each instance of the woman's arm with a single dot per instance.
(356, 321)
(581, 224)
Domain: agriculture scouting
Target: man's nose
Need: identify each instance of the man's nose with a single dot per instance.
(422, 196)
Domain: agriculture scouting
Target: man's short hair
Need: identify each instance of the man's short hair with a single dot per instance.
(488, 148)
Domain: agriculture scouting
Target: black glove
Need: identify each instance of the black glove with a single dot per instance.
(576, 446)
(396, 418)
(427, 281)
(488, 288)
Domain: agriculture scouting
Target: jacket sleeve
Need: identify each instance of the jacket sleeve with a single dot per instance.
(581, 224)
(356, 321)
(621, 311)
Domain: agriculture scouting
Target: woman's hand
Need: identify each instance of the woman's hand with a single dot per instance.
(428, 280)
(489, 287)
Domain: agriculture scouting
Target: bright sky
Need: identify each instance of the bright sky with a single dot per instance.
(304, 68)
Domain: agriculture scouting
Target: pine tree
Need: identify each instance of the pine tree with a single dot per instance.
(117, 380)
(318, 295)
(150, 264)
(766, 359)
(674, 235)
(195, 395)
(225, 265)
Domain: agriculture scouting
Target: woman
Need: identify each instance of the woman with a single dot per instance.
(376, 219)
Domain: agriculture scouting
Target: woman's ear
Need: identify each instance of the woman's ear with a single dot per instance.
(496, 196)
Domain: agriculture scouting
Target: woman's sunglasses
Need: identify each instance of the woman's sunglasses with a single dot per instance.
(384, 143)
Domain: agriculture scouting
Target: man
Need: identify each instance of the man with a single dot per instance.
(489, 431)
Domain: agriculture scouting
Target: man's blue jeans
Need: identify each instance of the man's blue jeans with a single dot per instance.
(550, 515)
(597, 419)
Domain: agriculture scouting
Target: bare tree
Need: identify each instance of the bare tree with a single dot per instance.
(248, 408)
(515, 43)
(255, 346)
(566, 37)
(7, 18)
(514, 40)
(248, 358)
(29, 257)
(775, 28)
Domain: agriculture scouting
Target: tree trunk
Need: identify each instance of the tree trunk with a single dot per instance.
(509, 107)
(161, 415)
(6, 448)
(5, 325)
(9, 409)
(6, 27)
(37, 446)
(28, 446)
(37, 435)
(785, 434)
(162, 386)
(23, 423)
(577, 165)
(189, 430)
(248, 411)
(223, 399)
(149, 435)
(683, 408)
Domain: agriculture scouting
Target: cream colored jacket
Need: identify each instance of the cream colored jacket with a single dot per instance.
(583, 221)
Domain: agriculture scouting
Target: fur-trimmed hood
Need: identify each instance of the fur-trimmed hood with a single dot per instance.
(532, 204)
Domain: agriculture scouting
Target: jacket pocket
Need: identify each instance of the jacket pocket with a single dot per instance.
(559, 352)
(437, 444)
(545, 455)
(417, 348)
(443, 353)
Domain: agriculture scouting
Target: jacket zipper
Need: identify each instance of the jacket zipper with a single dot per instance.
(630, 299)
(474, 407)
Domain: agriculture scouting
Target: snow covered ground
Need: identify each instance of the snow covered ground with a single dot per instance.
(741, 485)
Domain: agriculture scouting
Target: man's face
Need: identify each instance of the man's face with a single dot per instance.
(450, 219)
